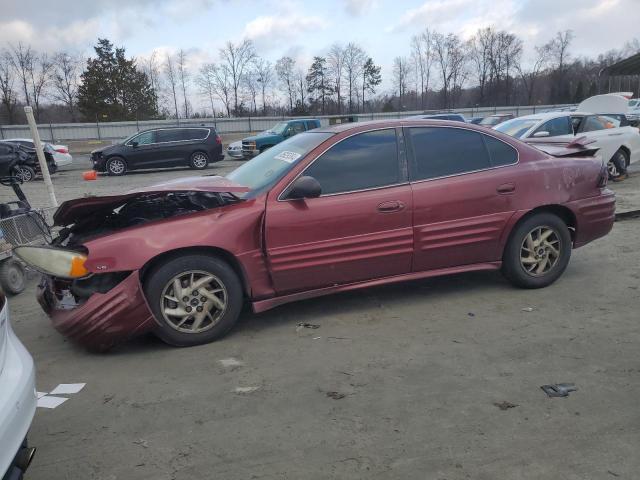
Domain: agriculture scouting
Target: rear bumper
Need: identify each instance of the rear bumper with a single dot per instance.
(104, 320)
(17, 400)
(63, 159)
(594, 217)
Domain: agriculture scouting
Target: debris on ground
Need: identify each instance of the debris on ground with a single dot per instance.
(231, 362)
(303, 325)
(142, 443)
(527, 309)
(471, 314)
(505, 405)
(245, 389)
(558, 389)
(335, 395)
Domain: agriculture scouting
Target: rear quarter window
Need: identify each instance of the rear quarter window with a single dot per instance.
(500, 153)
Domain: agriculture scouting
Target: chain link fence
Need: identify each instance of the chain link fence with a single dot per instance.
(117, 130)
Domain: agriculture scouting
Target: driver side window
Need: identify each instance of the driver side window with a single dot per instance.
(296, 128)
(363, 161)
(145, 138)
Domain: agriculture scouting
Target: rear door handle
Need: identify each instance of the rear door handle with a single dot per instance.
(506, 188)
(391, 206)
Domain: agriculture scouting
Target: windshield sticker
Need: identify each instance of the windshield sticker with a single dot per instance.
(288, 157)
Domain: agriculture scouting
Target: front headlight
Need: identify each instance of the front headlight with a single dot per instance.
(54, 261)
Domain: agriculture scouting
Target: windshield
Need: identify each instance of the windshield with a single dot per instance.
(268, 167)
(279, 128)
(491, 120)
(634, 103)
(516, 127)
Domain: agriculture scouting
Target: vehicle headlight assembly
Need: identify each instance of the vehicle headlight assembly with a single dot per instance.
(54, 261)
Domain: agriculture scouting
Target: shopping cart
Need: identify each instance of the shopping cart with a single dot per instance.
(19, 225)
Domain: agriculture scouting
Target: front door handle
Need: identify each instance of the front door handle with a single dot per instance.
(391, 206)
(506, 188)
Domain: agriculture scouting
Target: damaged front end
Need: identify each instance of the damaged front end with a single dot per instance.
(100, 309)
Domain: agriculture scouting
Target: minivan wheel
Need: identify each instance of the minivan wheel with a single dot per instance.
(116, 166)
(195, 299)
(199, 160)
(538, 251)
(24, 173)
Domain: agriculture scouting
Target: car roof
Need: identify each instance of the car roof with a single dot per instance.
(395, 123)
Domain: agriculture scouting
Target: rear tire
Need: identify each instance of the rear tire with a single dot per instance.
(538, 251)
(195, 299)
(24, 173)
(116, 166)
(13, 276)
(199, 160)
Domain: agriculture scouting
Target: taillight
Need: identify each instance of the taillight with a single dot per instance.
(603, 177)
(218, 140)
(62, 150)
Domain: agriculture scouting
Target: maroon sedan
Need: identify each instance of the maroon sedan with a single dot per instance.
(325, 211)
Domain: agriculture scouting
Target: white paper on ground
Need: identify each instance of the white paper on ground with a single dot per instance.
(66, 388)
(40, 394)
(51, 402)
(245, 389)
(231, 362)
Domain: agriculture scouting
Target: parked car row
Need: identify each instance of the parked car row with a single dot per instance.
(21, 161)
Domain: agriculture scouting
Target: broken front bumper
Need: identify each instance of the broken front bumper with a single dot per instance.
(104, 319)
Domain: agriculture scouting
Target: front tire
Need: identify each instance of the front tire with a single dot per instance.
(199, 160)
(24, 173)
(13, 277)
(538, 251)
(195, 299)
(116, 166)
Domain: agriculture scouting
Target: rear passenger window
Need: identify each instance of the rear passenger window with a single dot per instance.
(195, 133)
(366, 160)
(440, 151)
(311, 125)
(500, 153)
(169, 135)
(611, 121)
(593, 123)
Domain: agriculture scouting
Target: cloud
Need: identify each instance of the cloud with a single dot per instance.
(271, 31)
(431, 13)
(358, 7)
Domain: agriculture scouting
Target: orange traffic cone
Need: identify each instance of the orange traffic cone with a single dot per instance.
(90, 175)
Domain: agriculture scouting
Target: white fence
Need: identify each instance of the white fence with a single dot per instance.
(115, 130)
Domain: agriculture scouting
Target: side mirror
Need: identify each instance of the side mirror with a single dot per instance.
(134, 144)
(541, 134)
(304, 187)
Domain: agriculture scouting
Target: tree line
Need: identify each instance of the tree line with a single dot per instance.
(440, 71)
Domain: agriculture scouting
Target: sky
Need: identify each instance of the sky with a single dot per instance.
(302, 29)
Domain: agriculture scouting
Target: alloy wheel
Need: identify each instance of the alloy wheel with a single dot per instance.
(540, 251)
(193, 301)
(612, 170)
(116, 166)
(199, 160)
(24, 174)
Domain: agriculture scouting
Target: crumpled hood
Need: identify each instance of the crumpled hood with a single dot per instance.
(73, 210)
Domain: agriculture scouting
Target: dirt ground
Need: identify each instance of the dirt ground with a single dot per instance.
(417, 370)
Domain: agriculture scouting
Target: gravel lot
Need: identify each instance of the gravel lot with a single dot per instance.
(417, 367)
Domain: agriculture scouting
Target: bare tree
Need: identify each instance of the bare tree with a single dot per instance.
(22, 62)
(236, 59)
(264, 76)
(481, 49)
(302, 86)
(559, 55)
(450, 57)
(205, 80)
(335, 59)
(7, 94)
(252, 86)
(223, 86)
(40, 75)
(150, 67)
(531, 75)
(354, 59)
(65, 80)
(183, 75)
(400, 78)
(422, 54)
(172, 80)
(284, 70)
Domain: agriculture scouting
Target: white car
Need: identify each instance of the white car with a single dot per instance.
(633, 114)
(234, 150)
(60, 153)
(601, 119)
(17, 399)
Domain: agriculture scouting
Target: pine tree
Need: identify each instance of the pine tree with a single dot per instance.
(317, 81)
(371, 78)
(112, 86)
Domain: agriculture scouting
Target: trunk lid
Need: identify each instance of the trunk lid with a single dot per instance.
(607, 103)
(579, 147)
(74, 210)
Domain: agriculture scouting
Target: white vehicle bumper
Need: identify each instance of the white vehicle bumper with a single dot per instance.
(17, 394)
(62, 159)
